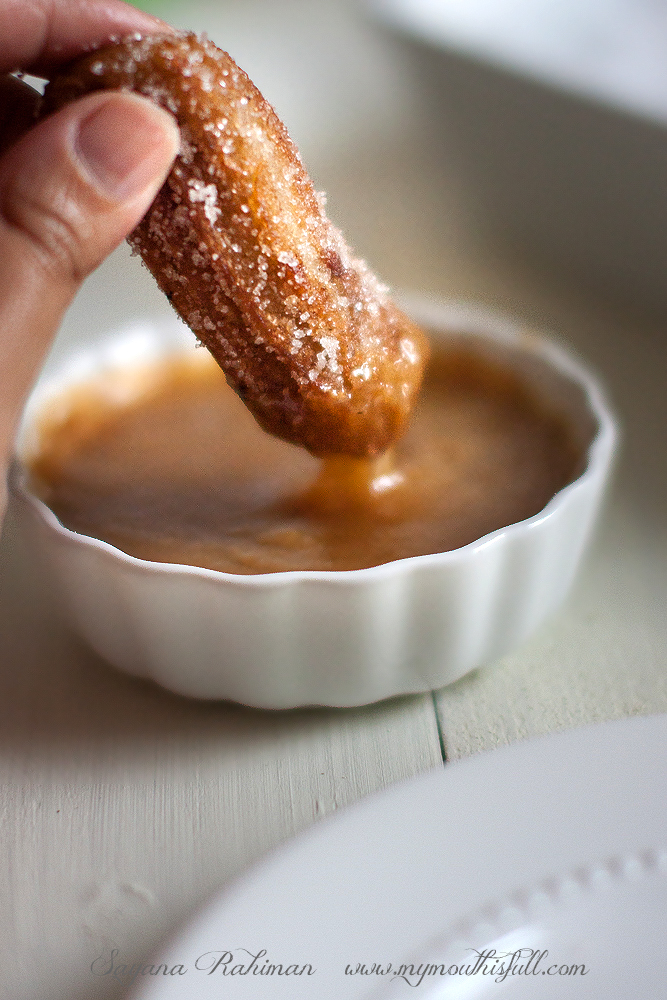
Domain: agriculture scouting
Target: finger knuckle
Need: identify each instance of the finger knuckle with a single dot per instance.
(54, 229)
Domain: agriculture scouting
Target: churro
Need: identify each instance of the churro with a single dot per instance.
(239, 241)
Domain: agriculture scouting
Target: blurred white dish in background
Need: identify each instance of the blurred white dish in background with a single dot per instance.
(552, 116)
(286, 639)
(614, 50)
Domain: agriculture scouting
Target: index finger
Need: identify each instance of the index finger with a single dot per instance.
(37, 35)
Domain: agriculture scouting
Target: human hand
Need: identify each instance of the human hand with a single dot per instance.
(71, 187)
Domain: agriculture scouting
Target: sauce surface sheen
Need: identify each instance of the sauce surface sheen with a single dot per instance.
(168, 465)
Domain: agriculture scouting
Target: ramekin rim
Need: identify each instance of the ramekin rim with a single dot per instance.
(467, 317)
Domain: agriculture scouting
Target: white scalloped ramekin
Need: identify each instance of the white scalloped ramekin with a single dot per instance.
(282, 640)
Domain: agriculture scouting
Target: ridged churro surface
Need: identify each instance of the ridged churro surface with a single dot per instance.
(239, 241)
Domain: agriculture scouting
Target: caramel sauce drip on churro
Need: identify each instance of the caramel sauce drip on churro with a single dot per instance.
(239, 241)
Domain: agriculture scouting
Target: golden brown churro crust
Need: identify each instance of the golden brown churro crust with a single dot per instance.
(238, 240)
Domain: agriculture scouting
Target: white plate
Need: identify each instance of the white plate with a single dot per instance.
(587, 935)
(569, 828)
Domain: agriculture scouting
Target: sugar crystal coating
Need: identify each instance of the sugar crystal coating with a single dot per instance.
(239, 241)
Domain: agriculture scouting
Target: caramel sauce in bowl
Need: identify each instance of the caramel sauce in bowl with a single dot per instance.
(193, 548)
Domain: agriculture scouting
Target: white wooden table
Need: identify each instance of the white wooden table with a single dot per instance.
(122, 806)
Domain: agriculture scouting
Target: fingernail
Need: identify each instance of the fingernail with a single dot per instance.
(125, 144)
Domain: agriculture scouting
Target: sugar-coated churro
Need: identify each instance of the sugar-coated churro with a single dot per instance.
(239, 241)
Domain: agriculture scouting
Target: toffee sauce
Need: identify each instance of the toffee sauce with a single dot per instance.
(168, 465)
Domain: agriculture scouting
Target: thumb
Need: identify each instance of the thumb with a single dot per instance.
(70, 190)
(78, 182)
